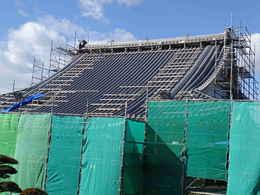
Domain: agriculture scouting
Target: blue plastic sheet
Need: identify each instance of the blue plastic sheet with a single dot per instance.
(24, 102)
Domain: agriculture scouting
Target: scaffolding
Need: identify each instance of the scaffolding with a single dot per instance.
(226, 72)
(238, 79)
(60, 56)
(247, 85)
(234, 72)
(39, 71)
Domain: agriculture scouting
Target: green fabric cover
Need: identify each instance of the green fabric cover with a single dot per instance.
(164, 162)
(185, 137)
(244, 167)
(102, 156)
(8, 131)
(64, 155)
(207, 139)
(32, 149)
(133, 158)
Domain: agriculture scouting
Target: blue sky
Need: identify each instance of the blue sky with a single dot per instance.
(103, 20)
(150, 18)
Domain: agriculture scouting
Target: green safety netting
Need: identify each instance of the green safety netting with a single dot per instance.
(182, 138)
(185, 137)
(102, 157)
(32, 150)
(244, 167)
(8, 131)
(64, 155)
(207, 139)
(165, 145)
(133, 158)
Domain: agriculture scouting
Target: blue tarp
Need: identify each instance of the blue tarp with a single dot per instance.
(24, 102)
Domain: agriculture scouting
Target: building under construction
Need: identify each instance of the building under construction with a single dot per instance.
(117, 79)
(153, 117)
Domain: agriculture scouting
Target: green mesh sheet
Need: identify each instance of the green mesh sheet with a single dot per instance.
(207, 139)
(163, 163)
(244, 167)
(64, 155)
(32, 149)
(8, 129)
(102, 156)
(133, 158)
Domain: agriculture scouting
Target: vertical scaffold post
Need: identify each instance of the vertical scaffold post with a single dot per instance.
(50, 60)
(231, 66)
(255, 93)
(126, 109)
(87, 110)
(215, 65)
(75, 40)
(146, 103)
(33, 71)
(52, 103)
(47, 156)
(186, 126)
(13, 86)
(85, 127)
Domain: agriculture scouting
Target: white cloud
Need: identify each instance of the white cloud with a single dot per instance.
(95, 8)
(67, 29)
(23, 13)
(120, 35)
(33, 39)
(256, 44)
(17, 53)
(23, 7)
(63, 27)
(130, 2)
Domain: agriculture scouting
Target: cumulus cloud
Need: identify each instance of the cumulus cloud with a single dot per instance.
(95, 8)
(29, 40)
(120, 35)
(67, 29)
(256, 44)
(33, 39)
